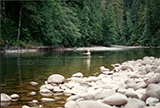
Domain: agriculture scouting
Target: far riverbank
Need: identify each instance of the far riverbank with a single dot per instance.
(93, 48)
(103, 48)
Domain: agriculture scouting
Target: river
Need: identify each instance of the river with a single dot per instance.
(18, 69)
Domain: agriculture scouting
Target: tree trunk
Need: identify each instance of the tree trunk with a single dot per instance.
(19, 25)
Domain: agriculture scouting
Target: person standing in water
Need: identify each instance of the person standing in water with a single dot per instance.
(88, 53)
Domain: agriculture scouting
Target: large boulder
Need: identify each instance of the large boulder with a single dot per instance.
(115, 99)
(55, 78)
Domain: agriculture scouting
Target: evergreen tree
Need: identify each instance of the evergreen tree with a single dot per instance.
(118, 10)
(146, 36)
(91, 22)
(66, 24)
(8, 23)
(130, 37)
(136, 13)
(155, 21)
(109, 27)
(95, 22)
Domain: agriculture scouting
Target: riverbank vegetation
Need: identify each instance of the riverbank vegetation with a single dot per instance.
(78, 23)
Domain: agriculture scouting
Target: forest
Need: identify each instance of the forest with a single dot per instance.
(75, 23)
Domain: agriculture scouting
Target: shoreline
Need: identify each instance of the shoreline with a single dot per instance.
(103, 48)
(93, 48)
(19, 51)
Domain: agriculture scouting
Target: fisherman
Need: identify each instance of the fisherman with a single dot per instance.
(88, 53)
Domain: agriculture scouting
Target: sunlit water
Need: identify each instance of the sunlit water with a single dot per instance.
(18, 69)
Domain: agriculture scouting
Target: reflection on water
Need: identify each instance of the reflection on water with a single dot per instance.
(18, 69)
(88, 62)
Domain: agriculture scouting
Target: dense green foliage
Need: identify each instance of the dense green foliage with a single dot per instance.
(80, 22)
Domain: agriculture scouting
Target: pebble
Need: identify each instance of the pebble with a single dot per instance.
(33, 83)
(33, 93)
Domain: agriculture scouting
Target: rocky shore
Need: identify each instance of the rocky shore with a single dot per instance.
(132, 84)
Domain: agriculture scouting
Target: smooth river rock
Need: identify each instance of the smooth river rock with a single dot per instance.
(132, 95)
(151, 101)
(47, 86)
(154, 80)
(134, 103)
(79, 75)
(25, 106)
(44, 91)
(115, 99)
(151, 93)
(152, 86)
(5, 98)
(55, 78)
(47, 100)
(33, 83)
(14, 96)
(86, 104)
(103, 94)
(157, 70)
(33, 93)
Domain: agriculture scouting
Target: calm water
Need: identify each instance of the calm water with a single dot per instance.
(17, 70)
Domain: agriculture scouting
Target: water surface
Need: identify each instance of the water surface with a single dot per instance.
(18, 69)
